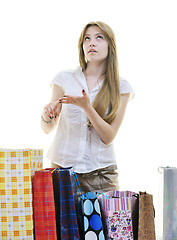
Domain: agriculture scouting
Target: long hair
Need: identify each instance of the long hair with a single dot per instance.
(109, 95)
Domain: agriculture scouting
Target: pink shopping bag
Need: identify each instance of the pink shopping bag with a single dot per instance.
(120, 214)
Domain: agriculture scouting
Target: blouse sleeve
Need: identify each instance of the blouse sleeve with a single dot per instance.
(59, 80)
(125, 87)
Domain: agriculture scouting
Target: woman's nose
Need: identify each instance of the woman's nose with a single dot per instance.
(92, 43)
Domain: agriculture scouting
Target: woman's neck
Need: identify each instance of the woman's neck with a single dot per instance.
(95, 70)
(94, 74)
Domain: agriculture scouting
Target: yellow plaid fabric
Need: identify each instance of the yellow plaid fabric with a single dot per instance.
(16, 212)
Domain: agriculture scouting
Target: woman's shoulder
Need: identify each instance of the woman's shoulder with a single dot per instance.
(122, 80)
(125, 86)
(65, 73)
(69, 72)
(64, 78)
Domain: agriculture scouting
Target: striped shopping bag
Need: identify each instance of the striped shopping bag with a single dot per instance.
(120, 214)
(17, 166)
(66, 218)
(44, 206)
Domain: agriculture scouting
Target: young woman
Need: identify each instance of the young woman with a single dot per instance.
(87, 106)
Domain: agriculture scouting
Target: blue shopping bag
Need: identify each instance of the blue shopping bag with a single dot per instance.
(66, 218)
(93, 226)
(89, 215)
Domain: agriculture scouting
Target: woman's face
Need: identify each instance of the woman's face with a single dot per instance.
(95, 45)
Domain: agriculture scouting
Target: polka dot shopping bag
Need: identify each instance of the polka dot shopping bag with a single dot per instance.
(93, 227)
(89, 215)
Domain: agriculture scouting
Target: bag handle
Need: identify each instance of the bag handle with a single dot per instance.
(104, 195)
(78, 185)
(54, 170)
(79, 188)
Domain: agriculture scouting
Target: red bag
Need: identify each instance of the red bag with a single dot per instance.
(44, 206)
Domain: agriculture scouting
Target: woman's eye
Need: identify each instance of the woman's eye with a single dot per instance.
(87, 38)
(99, 37)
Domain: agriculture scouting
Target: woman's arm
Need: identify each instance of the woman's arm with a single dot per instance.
(106, 132)
(51, 111)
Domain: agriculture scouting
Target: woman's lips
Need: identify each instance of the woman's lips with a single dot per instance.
(92, 51)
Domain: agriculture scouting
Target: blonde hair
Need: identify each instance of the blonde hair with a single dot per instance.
(109, 95)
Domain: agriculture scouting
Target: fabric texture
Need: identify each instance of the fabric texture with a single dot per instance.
(16, 212)
(101, 180)
(66, 219)
(74, 143)
(44, 206)
(146, 225)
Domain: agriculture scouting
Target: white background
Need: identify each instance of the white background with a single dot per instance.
(38, 38)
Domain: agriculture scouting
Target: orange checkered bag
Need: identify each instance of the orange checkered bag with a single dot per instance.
(16, 212)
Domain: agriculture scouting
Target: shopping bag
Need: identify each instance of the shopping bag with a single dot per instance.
(44, 206)
(167, 204)
(93, 226)
(88, 214)
(120, 214)
(146, 225)
(66, 218)
(17, 167)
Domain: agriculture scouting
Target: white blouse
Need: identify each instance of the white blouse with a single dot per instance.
(74, 144)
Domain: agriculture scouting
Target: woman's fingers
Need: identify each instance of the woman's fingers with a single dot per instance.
(48, 111)
(52, 109)
(57, 109)
(83, 92)
(66, 99)
(80, 101)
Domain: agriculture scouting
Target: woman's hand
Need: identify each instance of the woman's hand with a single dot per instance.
(52, 109)
(82, 101)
